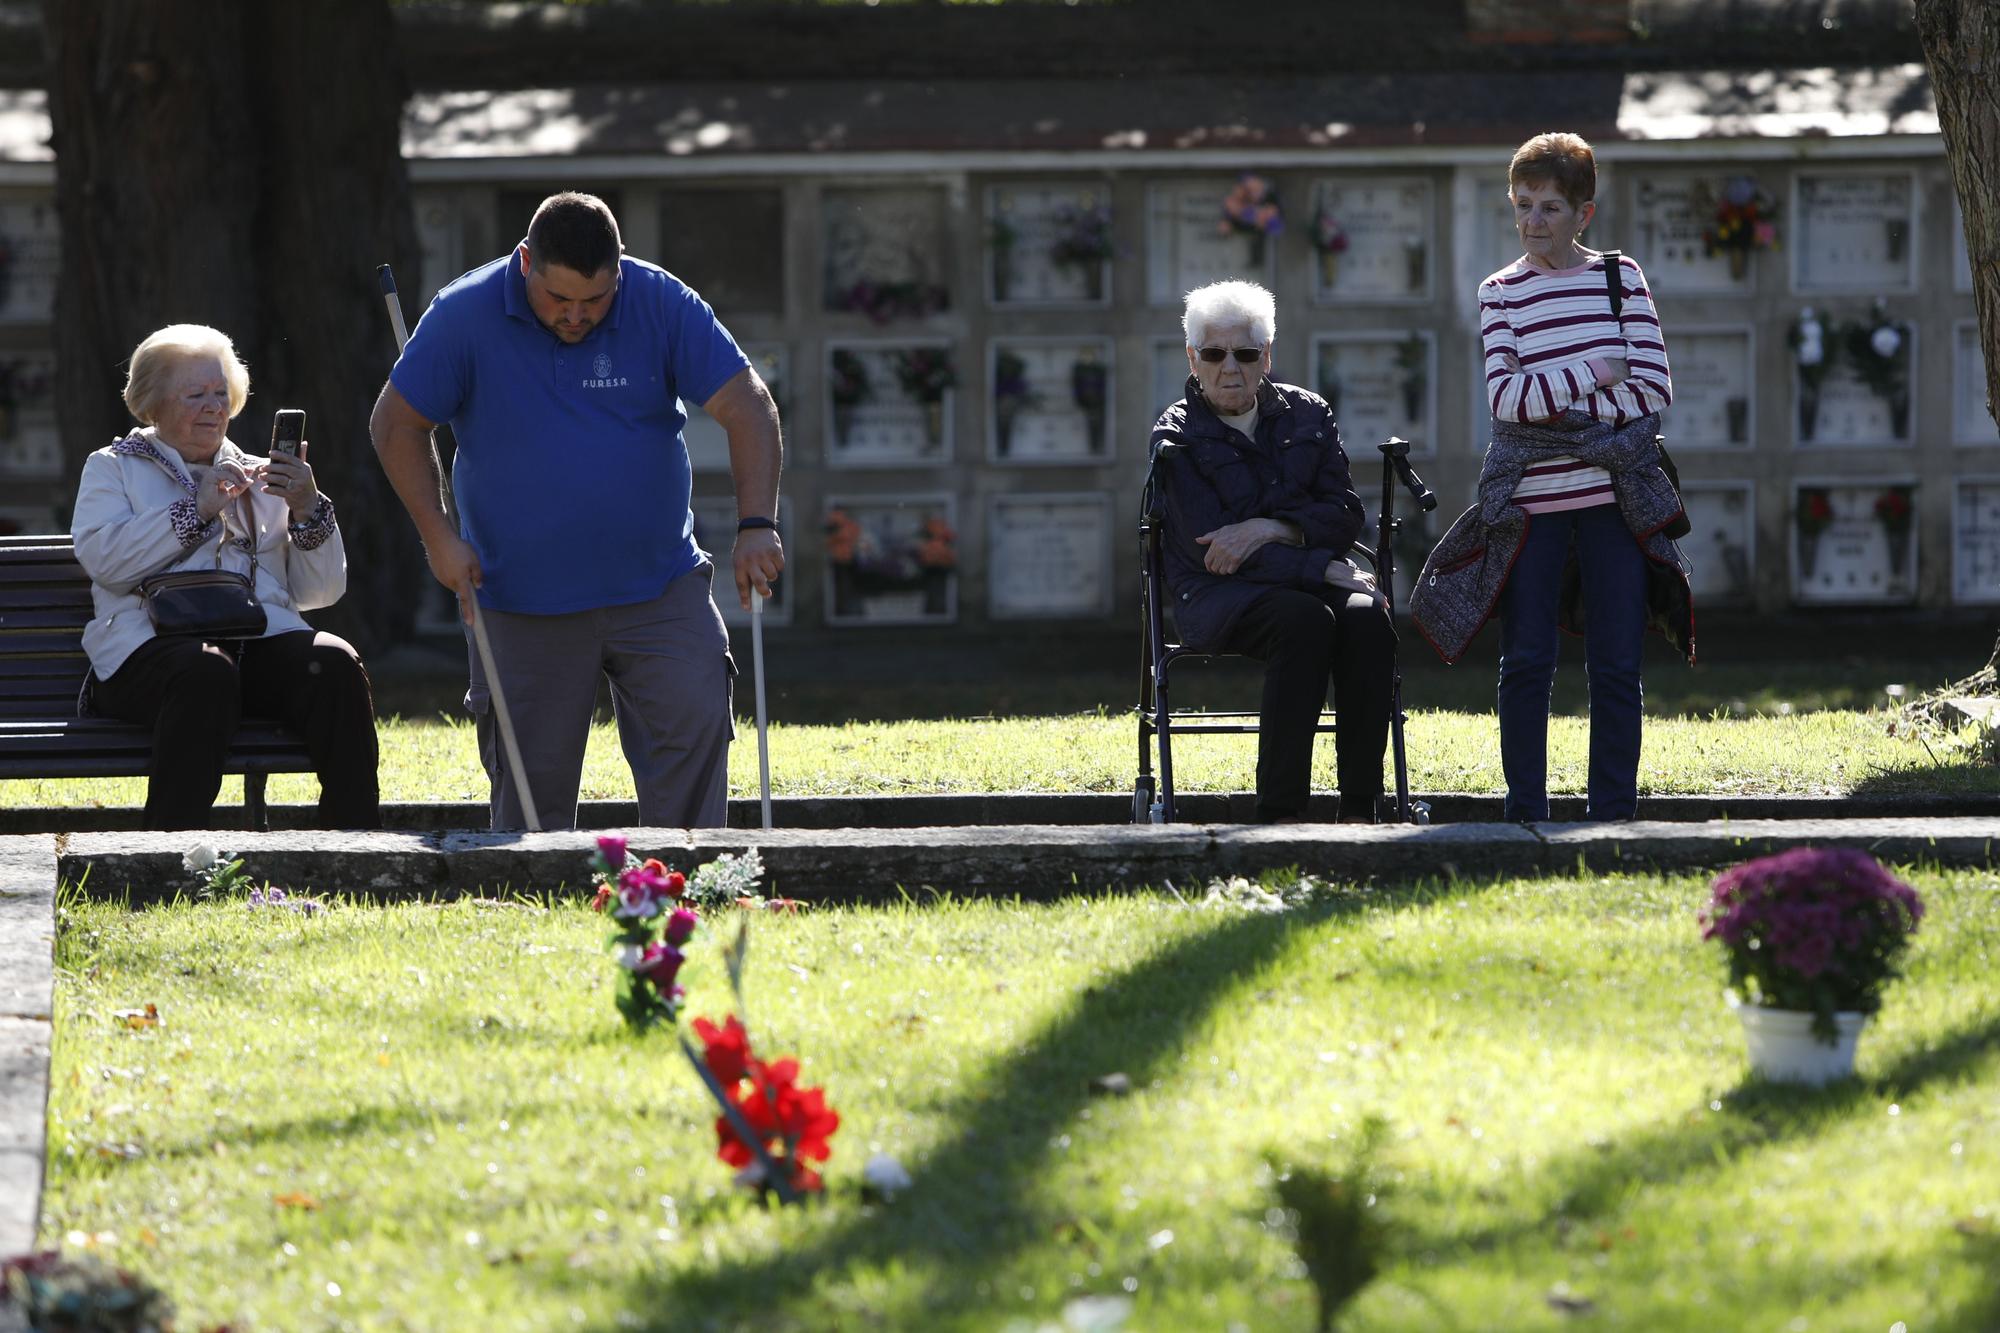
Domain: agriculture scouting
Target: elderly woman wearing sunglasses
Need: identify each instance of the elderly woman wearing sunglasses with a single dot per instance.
(1260, 515)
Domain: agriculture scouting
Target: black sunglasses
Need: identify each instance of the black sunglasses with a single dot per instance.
(1247, 355)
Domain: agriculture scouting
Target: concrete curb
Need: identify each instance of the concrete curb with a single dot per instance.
(27, 996)
(1033, 861)
(1101, 809)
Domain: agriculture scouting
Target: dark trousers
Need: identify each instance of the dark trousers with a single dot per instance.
(1307, 640)
(1613, 569)
(193, 694)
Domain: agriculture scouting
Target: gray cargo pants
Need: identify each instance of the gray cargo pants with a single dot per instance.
(671, 686)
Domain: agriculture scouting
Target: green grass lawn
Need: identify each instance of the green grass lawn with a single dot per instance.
(428, 1117)
(1827, 752)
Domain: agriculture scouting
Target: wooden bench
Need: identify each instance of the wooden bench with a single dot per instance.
(44, 605)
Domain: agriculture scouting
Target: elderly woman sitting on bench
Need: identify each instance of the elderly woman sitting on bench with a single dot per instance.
(177, 495)
(1260, 516)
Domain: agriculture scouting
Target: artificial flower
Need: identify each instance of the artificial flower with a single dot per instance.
(660, 964)
(612, 848)
(727, 1047)
(679, 926)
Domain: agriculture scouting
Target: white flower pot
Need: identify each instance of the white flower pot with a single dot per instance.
(1784, 1049)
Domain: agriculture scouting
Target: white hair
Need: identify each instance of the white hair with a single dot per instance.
(1230, 302)
(162, 353)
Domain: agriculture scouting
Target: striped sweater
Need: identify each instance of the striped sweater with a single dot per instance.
(1559, 328)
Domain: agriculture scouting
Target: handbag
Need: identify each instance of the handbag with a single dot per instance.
(1678, 526)
(205, 603)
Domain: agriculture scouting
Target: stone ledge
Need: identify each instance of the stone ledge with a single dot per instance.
(1101, 809)
(1033, 861)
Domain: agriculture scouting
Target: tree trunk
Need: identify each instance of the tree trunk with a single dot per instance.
(1962, 47)
(238, 164)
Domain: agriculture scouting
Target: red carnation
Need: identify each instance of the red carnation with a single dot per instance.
(727, 1049)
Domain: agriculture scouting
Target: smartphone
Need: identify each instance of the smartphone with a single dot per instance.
(288, 431)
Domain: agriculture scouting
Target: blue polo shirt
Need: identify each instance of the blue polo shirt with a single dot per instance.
(572, 476)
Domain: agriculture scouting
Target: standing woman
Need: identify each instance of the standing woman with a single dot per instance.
(1573, 501)
(176, 494)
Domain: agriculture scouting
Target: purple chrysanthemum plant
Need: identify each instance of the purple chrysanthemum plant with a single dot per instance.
(1815, 929)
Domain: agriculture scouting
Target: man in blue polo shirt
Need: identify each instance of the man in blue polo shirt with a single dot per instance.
(562, 367)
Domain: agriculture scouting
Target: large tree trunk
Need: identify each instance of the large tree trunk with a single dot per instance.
(238, 164)
(1962, 47)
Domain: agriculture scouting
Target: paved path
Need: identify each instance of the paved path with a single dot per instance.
(848, 865)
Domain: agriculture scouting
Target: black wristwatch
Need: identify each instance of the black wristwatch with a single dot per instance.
(756, 521)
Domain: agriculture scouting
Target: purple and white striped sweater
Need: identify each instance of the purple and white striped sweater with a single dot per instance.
(1560, 328)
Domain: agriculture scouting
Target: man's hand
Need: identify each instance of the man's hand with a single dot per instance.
(224, 482)
(292, 480)
(456, 565)
(759, 558)
(1228, 547)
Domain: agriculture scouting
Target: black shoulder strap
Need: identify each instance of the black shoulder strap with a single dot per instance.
(1614, 282)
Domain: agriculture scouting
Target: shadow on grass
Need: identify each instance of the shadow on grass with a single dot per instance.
(970, 1204)
(1753, 1117)
(1957, 774)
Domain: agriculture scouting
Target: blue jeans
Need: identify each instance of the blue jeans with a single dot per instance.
(1613, 569)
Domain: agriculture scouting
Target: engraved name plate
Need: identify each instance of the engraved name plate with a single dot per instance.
(1385, 229)
(1188, 245)
(1049, 556)
(1040, 243)
(1712, 389)
(1854, 233)
(1721, 543)
(1971, 422)
(1378, 385)
(1850, 553)
(1975, 541)
(1674, 211)
(1049, 400)
(872, 419)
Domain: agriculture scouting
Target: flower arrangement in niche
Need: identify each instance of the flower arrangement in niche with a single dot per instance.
(1878, 349)
(1895, 512)
(1812, 360)
(1745, 221)
(848, 382)
(926, 375)
(1084, 242)
(882, 302)
(1001, 235)
(1252, 208)
(1413, 366)
(938, 547)
(650, 927)
(1815, 511)
(1815, 929)
(1090, 390)
(1815, 514)
(770, 1127)
(1329, 238)
(1012, 395)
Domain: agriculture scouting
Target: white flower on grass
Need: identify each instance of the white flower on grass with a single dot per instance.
(1885, 340)
(627, 956)
(728, 877)
(1238, 894)
(884, 1176)
(200, 857)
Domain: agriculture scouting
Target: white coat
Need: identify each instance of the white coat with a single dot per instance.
(125, 532)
